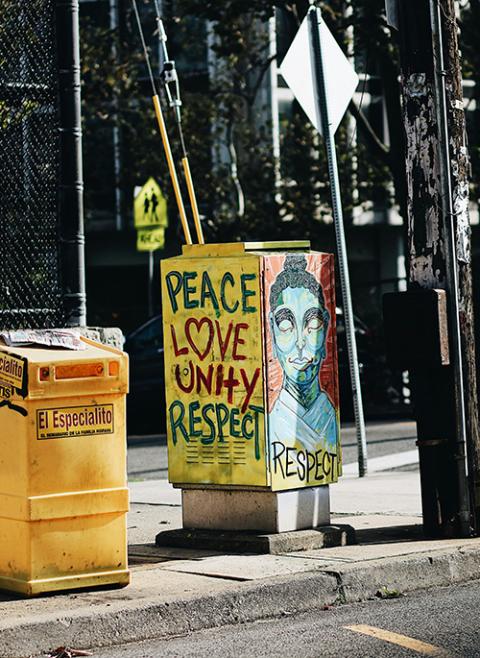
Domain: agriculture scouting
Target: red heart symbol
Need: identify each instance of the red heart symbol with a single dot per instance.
(198, 326)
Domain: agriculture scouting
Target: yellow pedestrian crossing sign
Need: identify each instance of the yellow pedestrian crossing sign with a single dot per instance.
(149, 206)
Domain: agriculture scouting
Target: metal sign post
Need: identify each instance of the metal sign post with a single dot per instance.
(150, 219)
(315, 20)
(150, 283)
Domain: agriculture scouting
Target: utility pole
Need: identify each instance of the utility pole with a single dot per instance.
(438, 239)
(460, 168)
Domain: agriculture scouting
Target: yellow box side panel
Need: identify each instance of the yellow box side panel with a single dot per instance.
(86, 448)
(213, 370)
(57, 506)
(83, 503)
(87, 544)
(13, 451)
(65, 553)
(14, 549)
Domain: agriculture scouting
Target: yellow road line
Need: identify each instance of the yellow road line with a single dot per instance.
(401, 640)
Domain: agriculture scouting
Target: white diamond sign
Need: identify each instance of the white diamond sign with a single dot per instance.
(298, 70)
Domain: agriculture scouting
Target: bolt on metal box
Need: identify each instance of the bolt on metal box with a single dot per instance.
(251, 366)
(63, 489)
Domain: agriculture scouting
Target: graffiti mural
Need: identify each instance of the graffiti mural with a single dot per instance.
(213, 370)
(303, 426)
(250, 368)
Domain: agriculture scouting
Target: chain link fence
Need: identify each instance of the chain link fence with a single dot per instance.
(30, 290)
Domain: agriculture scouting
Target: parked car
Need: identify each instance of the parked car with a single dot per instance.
(146, 401)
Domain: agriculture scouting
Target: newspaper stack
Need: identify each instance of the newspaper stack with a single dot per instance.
(62, 338)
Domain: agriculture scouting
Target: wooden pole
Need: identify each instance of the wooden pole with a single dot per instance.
(171, 168)
(193, 200)
(445, 406)
(460, 168)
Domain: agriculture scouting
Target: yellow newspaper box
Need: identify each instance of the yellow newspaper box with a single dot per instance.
(63, 489)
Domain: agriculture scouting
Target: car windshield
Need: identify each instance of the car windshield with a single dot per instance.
(149, 335)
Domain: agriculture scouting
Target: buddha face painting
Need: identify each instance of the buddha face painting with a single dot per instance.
(299, 322)
(299, 334)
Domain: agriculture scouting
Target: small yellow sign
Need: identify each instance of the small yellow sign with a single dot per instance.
(150, 239)
(150, 206)
(60, 423)
(11, 370)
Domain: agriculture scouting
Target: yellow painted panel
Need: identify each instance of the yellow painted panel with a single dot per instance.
(62, 554)
(82, 456)
(213, 370)
(213, 249)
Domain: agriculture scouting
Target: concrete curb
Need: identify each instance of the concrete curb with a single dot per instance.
(148, 619)
(133, 621)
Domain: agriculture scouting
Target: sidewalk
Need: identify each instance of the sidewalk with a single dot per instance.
(179, 590)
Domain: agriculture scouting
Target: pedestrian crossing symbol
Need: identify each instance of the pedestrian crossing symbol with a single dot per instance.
(149, 206)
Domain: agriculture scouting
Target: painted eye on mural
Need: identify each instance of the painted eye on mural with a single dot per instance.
(313, 321)
(285, 326)
(314, 324)
(285, 321)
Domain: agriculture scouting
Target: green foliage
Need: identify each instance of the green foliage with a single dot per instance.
(387, 593)
(225, 112)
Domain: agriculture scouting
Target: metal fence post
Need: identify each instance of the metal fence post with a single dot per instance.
(72, 237)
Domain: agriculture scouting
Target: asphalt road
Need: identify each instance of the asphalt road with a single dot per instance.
(442, 622)
(147, 456)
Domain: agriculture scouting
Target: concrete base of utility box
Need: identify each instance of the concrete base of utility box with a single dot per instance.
(248, 541)
(264, 511)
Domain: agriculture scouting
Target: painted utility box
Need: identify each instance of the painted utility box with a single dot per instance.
(63, 489)
(251, 366)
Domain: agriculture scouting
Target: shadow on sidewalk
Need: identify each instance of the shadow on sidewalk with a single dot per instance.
(390, 534)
